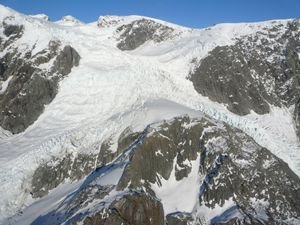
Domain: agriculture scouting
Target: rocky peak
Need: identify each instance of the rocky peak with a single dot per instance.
(29, 81)
(258, 70)
(134, 34)
(133, 31)
(109, 21)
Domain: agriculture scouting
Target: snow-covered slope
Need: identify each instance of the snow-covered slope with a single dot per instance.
(110, 90)
(41, 17)
(69, 21)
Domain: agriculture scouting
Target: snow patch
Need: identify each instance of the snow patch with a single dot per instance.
(179, 195)
(220, 213)
(4, 85)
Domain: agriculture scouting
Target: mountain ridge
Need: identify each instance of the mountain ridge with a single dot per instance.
(114, 79)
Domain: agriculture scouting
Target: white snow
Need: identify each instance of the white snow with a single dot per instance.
(44, 205)
(260, 207)
(4, 85)
(69, 21)
(207, 213)
(112, 90)
(179, 195)
(4, 133)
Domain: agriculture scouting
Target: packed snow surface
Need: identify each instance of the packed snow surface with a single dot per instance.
(112, 89)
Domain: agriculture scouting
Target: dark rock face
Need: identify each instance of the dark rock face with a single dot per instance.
(138, 32)
(22, 107)
(258, 70)
(179, 219)
(158, 151)
(224, 81)
(12, 29)
(66, 60)
(30, 88)
(12, 32)
(297, 116)
(232, 167)
(46, 177)
(74, 167)
(132, 209)
(109, 21)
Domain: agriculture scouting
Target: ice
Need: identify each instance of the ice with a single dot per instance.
(69, 21)
(218, 214)
(179, 195)
(111, 90)
(4, 85)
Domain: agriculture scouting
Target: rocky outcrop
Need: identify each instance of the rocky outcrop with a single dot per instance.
(256, 71)
(179, 218)
(30, 88)
(250, 184)
(25, 99)
(65, 61)
(76, 166)
(133, 209)
(133, 35)
(130, 208)
(232, 166)
(50, 175)
(158, 152)
(122, 186)
(109, 21)
(12, 30)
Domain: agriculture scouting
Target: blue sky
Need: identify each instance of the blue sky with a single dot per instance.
(192, 13)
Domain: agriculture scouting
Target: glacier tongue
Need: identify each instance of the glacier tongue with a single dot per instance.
(111, 90)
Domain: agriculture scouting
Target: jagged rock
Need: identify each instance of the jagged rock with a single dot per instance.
(12, 32)
(139, 209)
(74, 167)
(109, 21)
(24, 101)
(258, 70)
(138, 32)
(131, 209)
(168, 142)
(30, 87)
(12, 29)
(223, 76)
(179, 218)
(233, 167)
(66, 60)
(46, 177)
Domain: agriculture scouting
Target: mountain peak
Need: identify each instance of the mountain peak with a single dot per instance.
(109, 20)
(69, 20)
